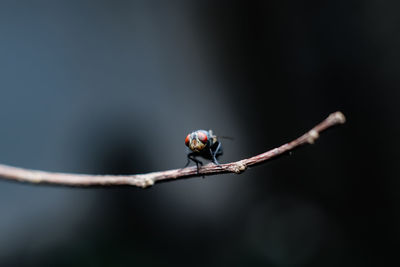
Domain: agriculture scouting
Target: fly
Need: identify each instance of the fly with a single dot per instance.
(203, 144)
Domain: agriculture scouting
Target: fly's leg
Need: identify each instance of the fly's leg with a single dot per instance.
(187, 163)
(214, 159)
(190, 157)
(215, 153)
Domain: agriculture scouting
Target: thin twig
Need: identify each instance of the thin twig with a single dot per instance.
(145, 180)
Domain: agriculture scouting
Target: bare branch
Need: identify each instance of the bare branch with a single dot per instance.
(148, 179)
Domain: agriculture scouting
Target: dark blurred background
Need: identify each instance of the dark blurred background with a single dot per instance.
(114, 87)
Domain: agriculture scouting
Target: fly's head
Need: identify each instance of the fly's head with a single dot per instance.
(197, 141)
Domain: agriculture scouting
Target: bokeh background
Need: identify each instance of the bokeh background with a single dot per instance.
(113, 87)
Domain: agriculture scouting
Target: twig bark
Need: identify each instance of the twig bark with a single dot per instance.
(148, 179)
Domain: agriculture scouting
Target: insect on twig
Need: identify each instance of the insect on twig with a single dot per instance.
(203, 144)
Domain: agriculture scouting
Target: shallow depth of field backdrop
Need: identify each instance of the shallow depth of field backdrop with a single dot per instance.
(114, 87)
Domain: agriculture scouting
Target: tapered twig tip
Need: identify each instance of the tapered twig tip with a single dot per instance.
(338, 117)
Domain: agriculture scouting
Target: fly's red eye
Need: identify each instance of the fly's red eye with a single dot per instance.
(202, 137)
(187, 140)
